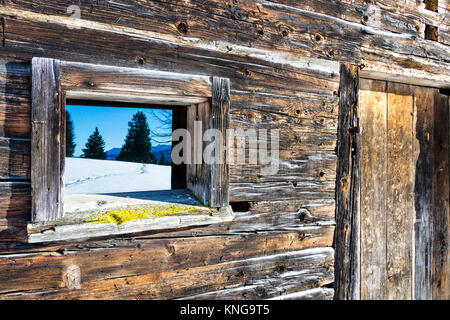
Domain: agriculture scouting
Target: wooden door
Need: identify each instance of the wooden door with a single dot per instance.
(404, 196)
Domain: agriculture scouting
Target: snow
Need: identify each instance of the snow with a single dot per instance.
(87, 176)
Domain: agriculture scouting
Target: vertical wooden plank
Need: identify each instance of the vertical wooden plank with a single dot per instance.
(441, 211)
(400, 174)
(62, 171)
(373, 110)
(199, 173)
(346, 239)
(220, 120)
(423, 162)
(46, 140)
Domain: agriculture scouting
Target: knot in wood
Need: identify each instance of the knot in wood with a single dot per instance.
(182, 27)
(170, 249)
(305, 216)
(140, 60)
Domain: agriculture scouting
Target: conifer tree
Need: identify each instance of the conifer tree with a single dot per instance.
(163, 161)
(70, 136)
(137, 145)
(95, 147)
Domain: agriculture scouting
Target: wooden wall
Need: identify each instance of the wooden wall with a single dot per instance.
(282, 58)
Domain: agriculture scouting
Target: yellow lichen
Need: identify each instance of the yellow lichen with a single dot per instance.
(121, 216)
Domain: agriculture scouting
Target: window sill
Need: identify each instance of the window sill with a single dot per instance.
(154, 216)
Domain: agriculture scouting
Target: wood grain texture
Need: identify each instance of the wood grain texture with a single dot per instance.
(15, 199)
(198, 172)
(220, 120)
(282, 58)
(15, 162)
(235, 258)
(15, 99)
(412, 170)
(400, 188)
(423, 189)
(373, 110)
(244, 21)
(346, 240)
(195, 280)
(110, 79)
(441, 201)
(47, 201)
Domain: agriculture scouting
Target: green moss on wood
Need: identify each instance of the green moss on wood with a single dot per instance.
(123, 215)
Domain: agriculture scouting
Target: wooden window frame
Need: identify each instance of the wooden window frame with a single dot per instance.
(54, 81)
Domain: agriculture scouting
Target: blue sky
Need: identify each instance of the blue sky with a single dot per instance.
(112, 122)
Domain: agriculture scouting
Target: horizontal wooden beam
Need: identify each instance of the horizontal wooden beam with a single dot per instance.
(128, 97)
(404, 75)
(100, 78)
(79, 231)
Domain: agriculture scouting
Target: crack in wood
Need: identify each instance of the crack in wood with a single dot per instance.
(2, 22)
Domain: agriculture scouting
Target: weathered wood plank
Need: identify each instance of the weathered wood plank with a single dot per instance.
(102, 78)
(390, 17)
(190, 281)
(373, 110)
(133, 97)
(280, 285)
(400, 187)
(346, 240)
(386, 45)
(265, 49)
(280, 190)
(312, 294)
(316, 166)
(248, 72)
(15, 200)
(132, 258)
(47, 203)
(423, 188)
(15, 99)
(14, 158)
(220, 120)
(198, 172)
(213, 21)
(441, 200)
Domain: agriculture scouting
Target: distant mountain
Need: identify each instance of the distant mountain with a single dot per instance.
(113, 153)
(162, 149)
(158, 151)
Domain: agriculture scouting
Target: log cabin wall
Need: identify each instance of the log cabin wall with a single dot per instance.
(283, 60)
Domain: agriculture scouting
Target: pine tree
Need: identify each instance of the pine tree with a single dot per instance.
(163, 161)
(95, 147)
(137, 145)
(70, 136)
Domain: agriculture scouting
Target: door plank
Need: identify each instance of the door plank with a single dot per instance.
(423, 161)
(441, 212)
(346, 238)
(400, 173)
(373, 102)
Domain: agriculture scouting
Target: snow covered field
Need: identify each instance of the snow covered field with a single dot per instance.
(87, 176)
